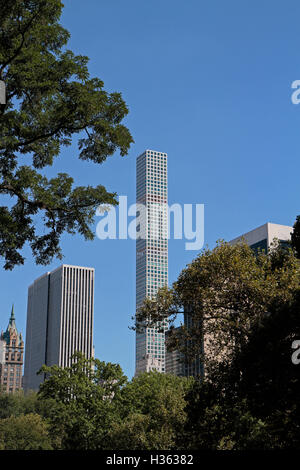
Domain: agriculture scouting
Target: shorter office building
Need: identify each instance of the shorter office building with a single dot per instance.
(262, 237)
(11, 357)
(60, 316)
(175, 363)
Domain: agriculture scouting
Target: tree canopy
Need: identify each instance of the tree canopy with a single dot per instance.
(25, 432)
(223, 294)
(83, 400)
(50, 98)
(295, 237)
(241, 311)
(153, 411)
(250, 402)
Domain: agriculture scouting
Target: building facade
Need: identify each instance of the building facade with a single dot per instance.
(151, 252)
(193, 366)
(262, 237)
(175, 363)
(11, 357)
(60, 315)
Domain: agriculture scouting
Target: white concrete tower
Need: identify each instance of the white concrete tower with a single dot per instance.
(151, 251)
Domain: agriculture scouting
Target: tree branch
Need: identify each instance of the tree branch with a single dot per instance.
(18, 50)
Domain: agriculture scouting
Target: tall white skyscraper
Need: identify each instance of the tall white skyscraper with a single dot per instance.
(151, 252)
(60, 314)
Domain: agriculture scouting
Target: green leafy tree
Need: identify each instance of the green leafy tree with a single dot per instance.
(243, 316)
(84, 402)
(295, 237)
(217, 421)
(224, 293)
(24, 432)
(50, 99)
(264, 374)
(253, 402)
(152, 412)
(18, 403)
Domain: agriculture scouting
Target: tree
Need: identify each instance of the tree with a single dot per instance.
(242, 317)
(50, 99)
(152, 412)
(265, 375)
(253, 402)
(295, 237)
(224, 293)
(24, 432)
(16, 404)
(84, 402)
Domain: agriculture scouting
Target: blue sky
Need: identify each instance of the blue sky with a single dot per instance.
(208, 82)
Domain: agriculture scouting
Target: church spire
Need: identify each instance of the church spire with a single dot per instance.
(12, 320)
(12, 314)
(11, 326)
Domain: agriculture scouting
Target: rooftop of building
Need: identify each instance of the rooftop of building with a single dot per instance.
(58, 268)
(164, 154)
(268, 231)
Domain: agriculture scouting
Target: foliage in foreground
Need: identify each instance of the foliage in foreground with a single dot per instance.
(247, 399)
(25, 432)
(51, 99)
(85, 407)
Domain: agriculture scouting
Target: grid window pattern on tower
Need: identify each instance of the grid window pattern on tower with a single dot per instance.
(151, 252)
